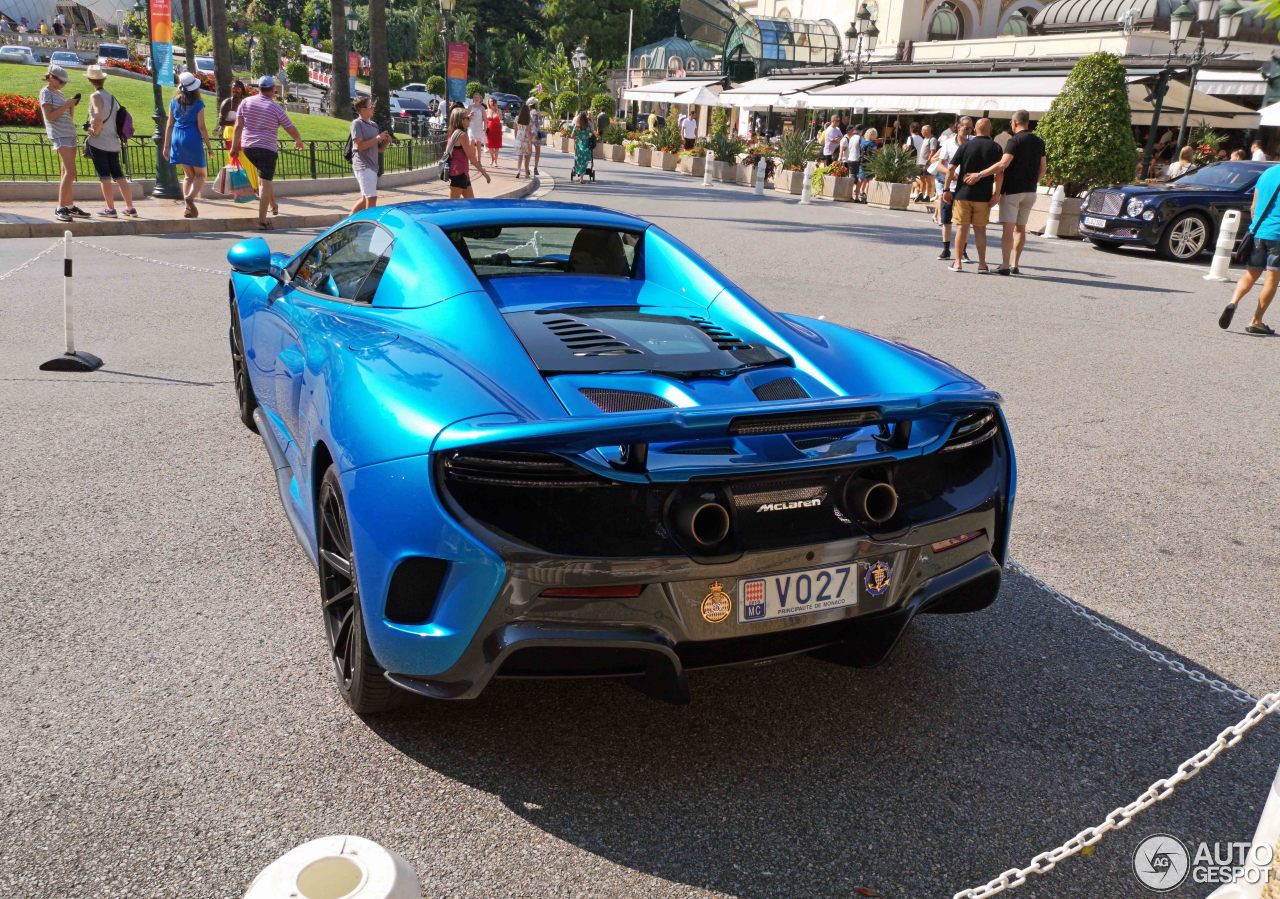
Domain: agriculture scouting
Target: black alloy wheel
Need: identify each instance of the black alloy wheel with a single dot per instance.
(246, 402)
(360, 677)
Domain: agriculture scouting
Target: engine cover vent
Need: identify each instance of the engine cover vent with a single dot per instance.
(624, 400)
(781, 389)
(723, 339)
(584, 339)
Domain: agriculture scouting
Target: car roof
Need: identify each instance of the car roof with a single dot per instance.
(449, 214)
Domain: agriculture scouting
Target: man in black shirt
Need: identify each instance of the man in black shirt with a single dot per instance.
(973, 196)
(1023, 164)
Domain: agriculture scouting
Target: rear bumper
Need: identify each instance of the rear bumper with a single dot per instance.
(661, 634)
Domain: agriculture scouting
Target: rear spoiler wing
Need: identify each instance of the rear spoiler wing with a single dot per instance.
(639, 429)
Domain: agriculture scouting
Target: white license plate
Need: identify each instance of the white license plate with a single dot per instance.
(804, 592)
(1092, 221)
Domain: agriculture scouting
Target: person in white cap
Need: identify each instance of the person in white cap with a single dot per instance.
(59, 123)
(258, 123)
(104, 144)
(185, 138)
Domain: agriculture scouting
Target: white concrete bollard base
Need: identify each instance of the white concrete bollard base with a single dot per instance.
(707, 165)
(1249, 884)
(1055, 213)
(337, 867)
(806, 189)
(1221, 263)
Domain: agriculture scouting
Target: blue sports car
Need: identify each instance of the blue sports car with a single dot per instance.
(529, 439)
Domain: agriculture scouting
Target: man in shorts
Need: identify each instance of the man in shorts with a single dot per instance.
(1023, 163)
(973, 198)
(258, 123)
(946, 189)
(1266, 254)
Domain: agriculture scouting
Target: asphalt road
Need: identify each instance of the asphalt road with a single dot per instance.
(172, 727)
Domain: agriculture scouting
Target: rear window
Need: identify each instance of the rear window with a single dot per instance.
(410, 103)
(499, 250)
(113, 51)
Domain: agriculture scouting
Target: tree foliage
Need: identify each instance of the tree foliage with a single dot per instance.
(436, 85)
(599, 26)
(1087, 132)
(603, 103)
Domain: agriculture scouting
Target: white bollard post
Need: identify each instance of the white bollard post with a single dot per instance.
(1226, 245)
(706, 169)
(1055, 213)
(1250, 881)
(759, 190)
(806, 189)
(70, 360)
(337, 867)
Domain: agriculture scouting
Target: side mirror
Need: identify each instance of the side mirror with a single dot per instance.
(251, 257)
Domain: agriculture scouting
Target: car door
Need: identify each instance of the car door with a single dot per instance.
(334, 280)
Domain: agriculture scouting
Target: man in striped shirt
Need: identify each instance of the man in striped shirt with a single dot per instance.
(258, 123)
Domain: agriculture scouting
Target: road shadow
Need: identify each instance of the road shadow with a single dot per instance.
(986, 739)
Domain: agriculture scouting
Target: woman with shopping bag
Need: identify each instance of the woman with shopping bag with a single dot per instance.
(227, 112)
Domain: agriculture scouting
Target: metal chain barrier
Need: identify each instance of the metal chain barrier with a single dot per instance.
(1120, 817)
(167, 264)
(1155, 655)
(32, 261)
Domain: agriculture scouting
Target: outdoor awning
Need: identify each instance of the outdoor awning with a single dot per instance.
(1002, 95)
(785, 93)
(1270, 115)
(675, 90)
(1231, 83)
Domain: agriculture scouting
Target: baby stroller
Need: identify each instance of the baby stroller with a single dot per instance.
(583, 171)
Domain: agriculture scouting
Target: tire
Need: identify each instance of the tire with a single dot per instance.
(1186, 238)
(1108, 245)
(246, 402)
(360, 678)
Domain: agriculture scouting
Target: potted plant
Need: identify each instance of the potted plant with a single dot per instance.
(666, 146)
(694, 162)
(611, 145)
(793, 150)
(836, 183)
(638, 152)
(726, 148)
(893, 169)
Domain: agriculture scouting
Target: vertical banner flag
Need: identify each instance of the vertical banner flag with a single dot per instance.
(353, 69)
(162, 41)
(457, 71)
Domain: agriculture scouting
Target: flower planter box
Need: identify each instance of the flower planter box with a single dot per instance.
(640, 156)
(552, 140)
(665, 161)
(613, 152)
(834, 188)
(693, 165)
(788, 182)
(1068, 223)
(889, 196)
(724, 171)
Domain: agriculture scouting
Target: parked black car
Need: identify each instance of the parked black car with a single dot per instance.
(1180, 218)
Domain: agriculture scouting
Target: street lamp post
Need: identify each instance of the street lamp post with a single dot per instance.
(862, 33)
(580, 64)
(166, 179)
(1180, 21)
(446, 7)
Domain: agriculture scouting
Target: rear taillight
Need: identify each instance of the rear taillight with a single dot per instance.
(953, 542)
(612, 591)
(404, 114)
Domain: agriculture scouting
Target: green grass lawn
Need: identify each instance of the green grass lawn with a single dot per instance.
(136, 96)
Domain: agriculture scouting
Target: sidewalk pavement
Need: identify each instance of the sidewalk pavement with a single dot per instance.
(35, 219)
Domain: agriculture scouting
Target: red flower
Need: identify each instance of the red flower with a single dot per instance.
(17, 110)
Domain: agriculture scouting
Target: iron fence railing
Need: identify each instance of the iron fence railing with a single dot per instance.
(28, 156)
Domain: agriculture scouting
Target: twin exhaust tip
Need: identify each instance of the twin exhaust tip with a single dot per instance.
(707, 523)
(872, 502)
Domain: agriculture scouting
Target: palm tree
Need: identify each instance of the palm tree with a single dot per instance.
(188, 41)
(339, 89)
(221, 49)
(379, 79)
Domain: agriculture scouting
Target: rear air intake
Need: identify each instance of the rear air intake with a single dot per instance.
(513, 469)
(781, 389)
(972, 429)
(624, 400)
(415, 586)
(808, 421)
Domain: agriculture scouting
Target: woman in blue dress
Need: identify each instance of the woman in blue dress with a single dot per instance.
(185, 138)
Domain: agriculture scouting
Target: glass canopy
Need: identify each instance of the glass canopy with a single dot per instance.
(753, 46)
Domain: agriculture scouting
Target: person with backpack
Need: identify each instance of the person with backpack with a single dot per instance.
(366, 142)
(104, 143)
(462, 154)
